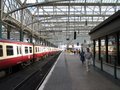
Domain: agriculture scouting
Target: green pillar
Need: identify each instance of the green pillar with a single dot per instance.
(1, 18)
(0, 29)
(31, 39)
(42, 42)
(21, 30)
(21, 35)
(8, 32)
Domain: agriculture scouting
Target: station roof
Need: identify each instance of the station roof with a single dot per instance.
(108, 20)
(57, 20)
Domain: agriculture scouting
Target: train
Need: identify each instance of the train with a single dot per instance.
(20, 53)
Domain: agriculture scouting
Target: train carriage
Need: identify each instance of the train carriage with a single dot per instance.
(14, 52)
(21, 53)
(38, 52)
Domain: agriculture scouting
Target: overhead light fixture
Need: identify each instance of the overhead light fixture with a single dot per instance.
(86, 22)
(67, 39)
(74, 34)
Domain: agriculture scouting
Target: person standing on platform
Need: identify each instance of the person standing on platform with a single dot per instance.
(82, 58)
(88, 58)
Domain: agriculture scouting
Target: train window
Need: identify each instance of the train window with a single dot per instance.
(9, 50)
(20, 50)
(1, 51)
(17, 50)
(30, 48)
(26, 50)
(36, 49)
(39, 49)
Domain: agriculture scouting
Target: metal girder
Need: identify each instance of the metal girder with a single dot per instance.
(71, 30)
(74, 4)
(44, 22)
(72, 15)
(79, 22)
(71, 26)
(14, 23)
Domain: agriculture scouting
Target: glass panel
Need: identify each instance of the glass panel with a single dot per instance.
(1, 51)
(112, 49)
(9, 50)
(91, 47)
(97, 60)
(103, 50)
(96, 50)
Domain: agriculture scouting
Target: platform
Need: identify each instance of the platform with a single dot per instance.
(69, 74)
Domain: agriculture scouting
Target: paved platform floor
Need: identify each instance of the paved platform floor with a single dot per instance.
(70, 74)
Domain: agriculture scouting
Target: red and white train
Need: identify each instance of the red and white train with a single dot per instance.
(14, 52)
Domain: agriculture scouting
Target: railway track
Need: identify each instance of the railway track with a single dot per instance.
(35, 79)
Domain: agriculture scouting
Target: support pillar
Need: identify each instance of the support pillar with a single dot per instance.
(8, 32)
(44, 42)
(101, 60)
(21, 30)
(31, 38)
(21, 35)
(94, 53)
(1, 1)
(106, 45)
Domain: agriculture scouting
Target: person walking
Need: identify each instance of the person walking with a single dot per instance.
(88, 58)
(82, 58)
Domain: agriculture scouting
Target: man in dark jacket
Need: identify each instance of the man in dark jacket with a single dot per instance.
(82, 58)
